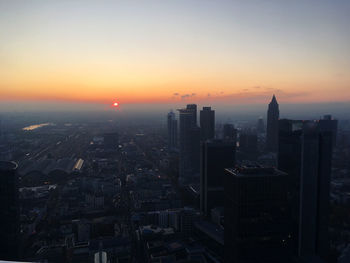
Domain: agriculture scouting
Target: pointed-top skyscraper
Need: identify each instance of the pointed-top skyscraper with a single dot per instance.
(273, 115)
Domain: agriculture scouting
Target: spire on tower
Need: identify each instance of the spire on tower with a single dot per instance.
(274, 100)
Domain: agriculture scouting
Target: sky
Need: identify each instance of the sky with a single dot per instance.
(173, 52)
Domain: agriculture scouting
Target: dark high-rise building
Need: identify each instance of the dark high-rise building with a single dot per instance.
(272, 125)
(172, 131)
(305, 153)
(207, 123)
(189, 141)
(331, 125)
(230, 133)
(216, 155)
(260, 127)
(9, 211)
(256, 215)
(193, 109)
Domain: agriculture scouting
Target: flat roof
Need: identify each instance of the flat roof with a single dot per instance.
(254, 171)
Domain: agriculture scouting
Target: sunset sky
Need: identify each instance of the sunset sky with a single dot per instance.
(172, 51)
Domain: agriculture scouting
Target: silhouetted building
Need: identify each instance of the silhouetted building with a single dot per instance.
(9, 211)
(193, 109)
(229, 132)
(305, 153)
(216, 155)
(256, 215)
(260, 127)
(207, 123)
(189, 140)
(272, 125)
(329, 124)
(172, 131)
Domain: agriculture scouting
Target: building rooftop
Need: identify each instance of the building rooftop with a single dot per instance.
(212, 230)
(254, 170)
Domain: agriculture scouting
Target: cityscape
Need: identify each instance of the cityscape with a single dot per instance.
(185, 190)
(174, 131)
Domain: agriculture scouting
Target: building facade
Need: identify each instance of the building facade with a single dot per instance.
(257, 227)
(207, 123)
(9, 211)
(216, 155)
(172, 131)
(272, 125)
(305, 153)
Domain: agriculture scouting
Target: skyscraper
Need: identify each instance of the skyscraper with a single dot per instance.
(272, 125)
(230, 133)
(329, 124)
(172, 131)
(207, 123)
(189, 141)
(192, 108)
(256, 215)
(305, 153)
(260, 127)
(248, 142)
(9, 211)
(216, 155)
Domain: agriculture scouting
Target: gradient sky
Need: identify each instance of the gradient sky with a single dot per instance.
(172, 51)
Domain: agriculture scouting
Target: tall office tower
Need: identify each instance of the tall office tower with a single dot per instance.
(256, 215)
(260, 127)
(193, 109)
(230, 133)
(207, 123)
(305, 153)
(172, 131)
(329, 124)
(273, 114)
(189, 140)
(9, 211)
(216, 155)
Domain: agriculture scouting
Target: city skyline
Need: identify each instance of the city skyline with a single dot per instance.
(173, 52)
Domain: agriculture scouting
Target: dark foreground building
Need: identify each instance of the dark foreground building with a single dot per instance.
(305, 153)
(216, 155)
(9, 211)
(256, 215)
(172, 131)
